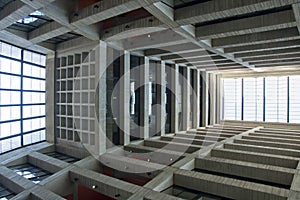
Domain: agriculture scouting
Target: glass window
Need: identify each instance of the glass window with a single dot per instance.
(253, 99)
(276, 99)
(294, 99)
(232, 99)
(20, 117)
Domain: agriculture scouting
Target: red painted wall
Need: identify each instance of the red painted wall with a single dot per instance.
(88, 194)
(85, 3)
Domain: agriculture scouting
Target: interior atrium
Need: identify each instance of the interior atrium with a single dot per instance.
(150, 99)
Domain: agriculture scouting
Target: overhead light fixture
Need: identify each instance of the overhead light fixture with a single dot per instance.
(94, 186)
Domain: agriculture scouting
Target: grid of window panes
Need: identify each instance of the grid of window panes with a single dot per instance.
(232, 99)
(269, 99)
(22, 97)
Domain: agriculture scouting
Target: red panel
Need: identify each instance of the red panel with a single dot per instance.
(88, 194)
(85, 3)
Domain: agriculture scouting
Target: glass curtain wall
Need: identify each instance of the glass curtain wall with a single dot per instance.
(22, 97)
(265, 99)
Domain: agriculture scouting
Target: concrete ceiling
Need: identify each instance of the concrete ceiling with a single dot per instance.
(208, 35)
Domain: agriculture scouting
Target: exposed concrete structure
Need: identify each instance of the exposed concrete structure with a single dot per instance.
(161, 134)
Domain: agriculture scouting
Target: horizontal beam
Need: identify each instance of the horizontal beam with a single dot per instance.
(218, 9)
(227, 187)
(158, 40)
(257, 38)
(132, 29)
(174, 50)
(268, 53)
(268, 22)
(270, 59)
(103, 10)
(263, 47)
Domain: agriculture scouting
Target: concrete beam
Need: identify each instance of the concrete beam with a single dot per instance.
(193, 55)
(227, 187)
(280, 59)
(59, 11)
(132, 29)
(268, 144)
(103, 10)
(173, 50)
(156, 40)
(213, 10)
(263, 47)
(265, 53)
(261, 158)
(256, 171)
(287, 63)
(12, 12)
(268, 22)
(296, 10)
(47, 31)
(166, 14)
(106, 185)
(7, 35)
(257, 38)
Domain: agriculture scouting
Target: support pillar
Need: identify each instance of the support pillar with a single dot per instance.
(186, 99)
(161, 103)
(174, 101)
(50, 98)
(144, 98)
(219, 95)
(204, 99)
(125, 98)
(101, 59)
(212, 97)
(196, 98)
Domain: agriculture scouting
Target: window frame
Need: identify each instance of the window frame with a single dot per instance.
(21, 104)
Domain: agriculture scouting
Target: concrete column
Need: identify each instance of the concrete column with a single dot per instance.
(196, 98)
(204, 99)
(186, 98)
(219, 95)
(174, 101)
(75, 193)
(50, 98)
(101, 60)
(160, 95)
(212, 96)
(125, 98)
(111, 118)
(144, 98)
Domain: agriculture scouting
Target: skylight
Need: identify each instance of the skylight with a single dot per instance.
(31, 18)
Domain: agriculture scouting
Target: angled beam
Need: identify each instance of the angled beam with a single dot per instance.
(13, 12)
(263, 47)
(296, 9)
(268, 22)
(47, 31)
(257, 38)
(18, 40)
(133, 29)
(268, 52)
(58, 12)
(103, 10)
(166, 15)
(217, 9)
